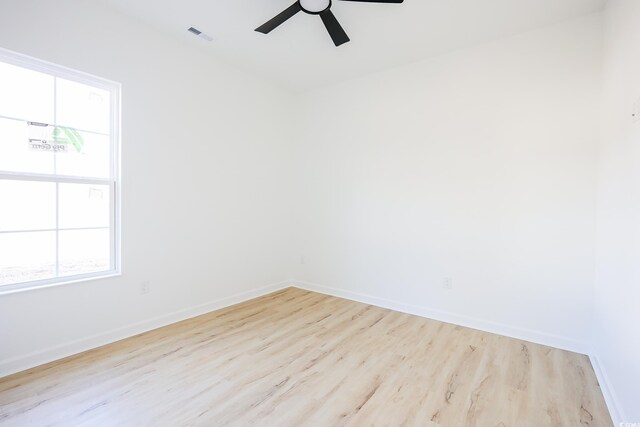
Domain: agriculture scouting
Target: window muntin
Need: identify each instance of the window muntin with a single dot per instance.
(59, 134)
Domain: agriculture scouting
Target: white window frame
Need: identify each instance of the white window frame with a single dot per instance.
(114, 182)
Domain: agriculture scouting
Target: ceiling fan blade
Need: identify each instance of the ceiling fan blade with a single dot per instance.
(334, 28)
(377, 1)
(279, 19)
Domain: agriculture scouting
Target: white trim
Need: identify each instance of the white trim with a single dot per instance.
(65, 179)
(16, 288)
(36, 64)
(28, 361)
(610, 397)
(40, 230)
(537, 337)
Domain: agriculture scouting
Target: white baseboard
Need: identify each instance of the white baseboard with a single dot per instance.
(537, 337)
(27, 361)
(615, 409)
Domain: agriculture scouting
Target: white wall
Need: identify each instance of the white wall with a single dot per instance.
(617, 332)
(205, 202)
(478, 165)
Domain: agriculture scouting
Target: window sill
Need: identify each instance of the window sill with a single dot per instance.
(50, 283)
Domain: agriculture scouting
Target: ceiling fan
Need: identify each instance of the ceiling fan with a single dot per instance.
(316, 7)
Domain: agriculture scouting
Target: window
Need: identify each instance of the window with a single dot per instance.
(59, 138)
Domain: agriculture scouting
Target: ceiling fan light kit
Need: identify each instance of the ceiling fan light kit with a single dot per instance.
(321, 8)
(314, 7)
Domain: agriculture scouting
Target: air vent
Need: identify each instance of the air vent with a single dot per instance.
(200, 34)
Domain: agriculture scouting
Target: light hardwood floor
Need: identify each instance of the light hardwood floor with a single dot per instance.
(297, 358)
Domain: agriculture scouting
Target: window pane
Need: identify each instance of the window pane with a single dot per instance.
(84, 251)
(17, 154)
(27, 205)
(26, 94)
(27, 256)
(84, 205)
(83, 107)
(88, 157)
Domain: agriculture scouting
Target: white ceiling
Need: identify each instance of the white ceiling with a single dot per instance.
(300, 54)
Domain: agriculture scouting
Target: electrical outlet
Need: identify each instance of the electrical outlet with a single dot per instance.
(447, 283)
(145, 287)
(303, 260)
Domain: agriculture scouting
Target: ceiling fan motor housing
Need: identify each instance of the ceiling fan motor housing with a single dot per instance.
(314, 7)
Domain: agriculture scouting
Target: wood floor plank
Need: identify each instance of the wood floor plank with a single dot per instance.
(298, 358)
